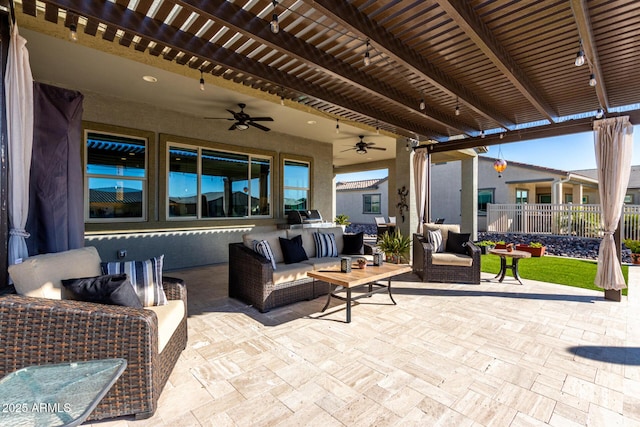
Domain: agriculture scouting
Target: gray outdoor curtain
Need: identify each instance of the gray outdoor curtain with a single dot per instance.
(56, 220)
(613, 146)
(19, 109)
(421, 185)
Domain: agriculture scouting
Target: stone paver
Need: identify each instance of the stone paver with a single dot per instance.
(447, 354)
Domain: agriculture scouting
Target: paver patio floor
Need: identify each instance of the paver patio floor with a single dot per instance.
(447, 355)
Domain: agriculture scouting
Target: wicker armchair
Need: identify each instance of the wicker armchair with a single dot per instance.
(424, 267)
(38, 331)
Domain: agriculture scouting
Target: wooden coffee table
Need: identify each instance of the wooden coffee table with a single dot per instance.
(515, 257)
(359, 277)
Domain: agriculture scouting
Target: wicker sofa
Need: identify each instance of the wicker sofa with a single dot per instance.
(447, 267)
(253, 280)
(40, 329)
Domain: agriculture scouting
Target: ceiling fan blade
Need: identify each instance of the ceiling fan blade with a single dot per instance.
(348, 149)
(377, 148)
(233, 127)
(261, 119)
(264, 128)
(218, 118)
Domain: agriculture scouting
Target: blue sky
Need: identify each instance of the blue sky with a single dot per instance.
(568, 152)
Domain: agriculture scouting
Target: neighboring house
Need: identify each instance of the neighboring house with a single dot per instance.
(519, 183)
(363, 200)
(633, 188)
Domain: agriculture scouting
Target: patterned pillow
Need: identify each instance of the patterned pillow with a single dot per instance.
(435, 238)
(264, 248)
(145, 276)
(325, 245)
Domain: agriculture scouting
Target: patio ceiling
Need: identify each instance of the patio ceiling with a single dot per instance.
(507, 66)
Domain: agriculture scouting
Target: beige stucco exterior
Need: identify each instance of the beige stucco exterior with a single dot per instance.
(187, 243)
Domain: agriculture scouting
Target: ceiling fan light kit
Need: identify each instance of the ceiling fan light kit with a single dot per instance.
(362, 147)
(244, 120)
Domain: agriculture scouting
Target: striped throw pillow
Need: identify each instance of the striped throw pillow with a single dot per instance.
(435, 238)
(325, 245)
(264, 248)
(145, 276)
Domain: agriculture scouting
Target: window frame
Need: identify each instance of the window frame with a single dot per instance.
(492, 191)
(525, 190)
(296, 159)
(174, 143)
(114, 131)
(364, 203)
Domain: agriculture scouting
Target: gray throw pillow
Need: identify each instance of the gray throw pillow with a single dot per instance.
(113, 289)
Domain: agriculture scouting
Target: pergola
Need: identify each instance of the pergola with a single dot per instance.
(445, 74)
(462, 73)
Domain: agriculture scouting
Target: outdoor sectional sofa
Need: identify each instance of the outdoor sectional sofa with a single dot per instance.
(252, 278)
(39, 328)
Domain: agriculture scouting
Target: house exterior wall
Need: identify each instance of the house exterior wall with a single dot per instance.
(447, 183)
(350, 202)
(189, 243)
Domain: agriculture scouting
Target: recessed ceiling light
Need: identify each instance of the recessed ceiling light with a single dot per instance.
(311, 122)
(150, 79)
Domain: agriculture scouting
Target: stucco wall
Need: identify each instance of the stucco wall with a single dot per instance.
(351, 203)
(446, 186)
(193, 243)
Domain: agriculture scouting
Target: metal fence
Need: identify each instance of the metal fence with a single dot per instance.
(563, 220)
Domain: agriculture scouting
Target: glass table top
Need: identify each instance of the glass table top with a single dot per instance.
(56, 395)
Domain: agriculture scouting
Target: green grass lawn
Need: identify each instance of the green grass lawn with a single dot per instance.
(564, 271)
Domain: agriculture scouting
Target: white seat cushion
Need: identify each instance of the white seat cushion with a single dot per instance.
(449, 258)
(41, 275)
(290, 272)
(169, 317)
(445, 228)
(273, 237)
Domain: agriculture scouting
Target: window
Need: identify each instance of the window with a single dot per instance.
(297, 185)
(568, 198)
(371, 204)
(522, 196)
(116, 177)
(207, 184)
(628, 199)
(544, 198)
(485, 196)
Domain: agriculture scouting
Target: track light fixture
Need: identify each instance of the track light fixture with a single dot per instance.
(337, 125)
(201, 80)
(281, 100)
(73, 32)
(377, 130)
(592, 80)
(600, 113)
(482, 134)
(422, 104)
(367, 59)
(274, 24)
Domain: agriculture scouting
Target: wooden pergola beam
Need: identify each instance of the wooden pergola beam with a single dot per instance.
(359, 23)
(461, 11)
(538, 132)
(120, 17)
(583, 22)
(244, 22)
